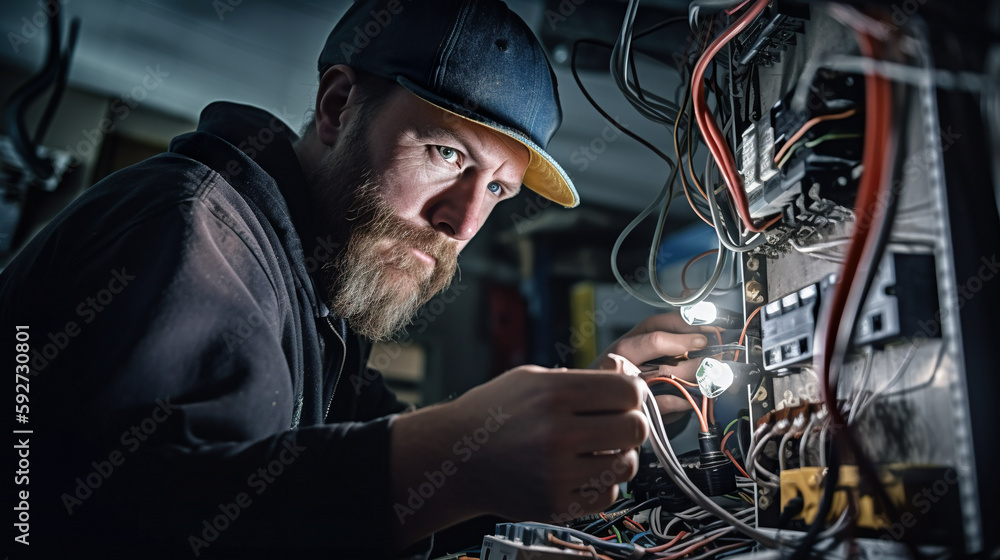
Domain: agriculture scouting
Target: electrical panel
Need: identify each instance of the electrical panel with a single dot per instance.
(844, 156)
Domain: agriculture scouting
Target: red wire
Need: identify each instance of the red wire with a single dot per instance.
(733, 10)
(877, 123)
(710, 130)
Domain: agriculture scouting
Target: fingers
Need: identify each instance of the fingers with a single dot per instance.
(596, 433)
(656, 344)
(685, 370)
(670, 322)
(599, 392)
(599, 476)
(661, 335)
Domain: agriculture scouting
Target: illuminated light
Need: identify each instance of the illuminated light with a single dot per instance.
(701, 313)
(707, 313)
(714, 377)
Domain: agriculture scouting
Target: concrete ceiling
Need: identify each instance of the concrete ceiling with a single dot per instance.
(263, 52)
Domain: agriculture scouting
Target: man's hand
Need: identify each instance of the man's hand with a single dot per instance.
(661, 335)
(534, 443)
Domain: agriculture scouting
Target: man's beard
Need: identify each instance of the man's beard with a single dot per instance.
(375, 282)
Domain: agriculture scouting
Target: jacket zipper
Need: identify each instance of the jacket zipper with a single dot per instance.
(340, 370)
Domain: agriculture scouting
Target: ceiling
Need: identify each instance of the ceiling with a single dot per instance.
(263, 52)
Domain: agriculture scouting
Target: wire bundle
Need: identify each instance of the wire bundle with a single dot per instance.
(726, 210)
(728, 214)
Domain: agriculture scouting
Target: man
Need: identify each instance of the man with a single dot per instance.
(189, 367)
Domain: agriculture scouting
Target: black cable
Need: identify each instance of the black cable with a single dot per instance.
(609, 118)
(17, 105)
(747, 116)
(648, 504)
(900, 124)
(825, 504)
(658, 26)
(60, 82)
(790, 510)
(865, 466)
(739, 434)
(701, 205)
(757, 109)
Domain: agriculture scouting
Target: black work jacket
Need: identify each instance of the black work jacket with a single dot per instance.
(190, 395)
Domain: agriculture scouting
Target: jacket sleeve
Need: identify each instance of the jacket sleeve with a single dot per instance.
(166, 396)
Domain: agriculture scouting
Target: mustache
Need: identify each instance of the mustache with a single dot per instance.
(375, 218)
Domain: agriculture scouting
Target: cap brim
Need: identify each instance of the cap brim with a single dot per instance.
(543, 175)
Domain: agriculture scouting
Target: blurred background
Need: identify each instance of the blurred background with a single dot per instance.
(535, 285)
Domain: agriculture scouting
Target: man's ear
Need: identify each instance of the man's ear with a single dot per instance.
(332, 101)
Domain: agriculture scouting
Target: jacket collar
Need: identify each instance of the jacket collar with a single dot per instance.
(252, 150)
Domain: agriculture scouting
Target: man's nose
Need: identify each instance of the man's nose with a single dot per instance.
(457, 211)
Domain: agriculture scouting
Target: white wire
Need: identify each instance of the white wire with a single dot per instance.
(822, 441)
(859, 392)
(621, 239)
(665, 453)
(806, 434)
(781, 449)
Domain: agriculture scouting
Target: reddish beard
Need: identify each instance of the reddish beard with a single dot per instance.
(376, 282)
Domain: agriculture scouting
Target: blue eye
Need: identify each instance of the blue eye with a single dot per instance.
(495, 188)
(449, 154)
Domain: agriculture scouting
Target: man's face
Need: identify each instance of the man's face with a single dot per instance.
(407, 188)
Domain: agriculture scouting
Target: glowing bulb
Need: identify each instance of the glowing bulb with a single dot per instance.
(714, 377)
(707, 313)
(701, 313)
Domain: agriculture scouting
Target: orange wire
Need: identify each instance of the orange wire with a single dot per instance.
(684, 381)
(711, 412)
(687, 395)
(718, 334)
(684, 185)
(694, 178)
(743, 334)
(672, 542)
(636, 523)
(878, 122)
(805, 128)
(692, 261)
(737, 465)
(730, 455)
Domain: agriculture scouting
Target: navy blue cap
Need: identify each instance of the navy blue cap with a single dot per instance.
(474, 58)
